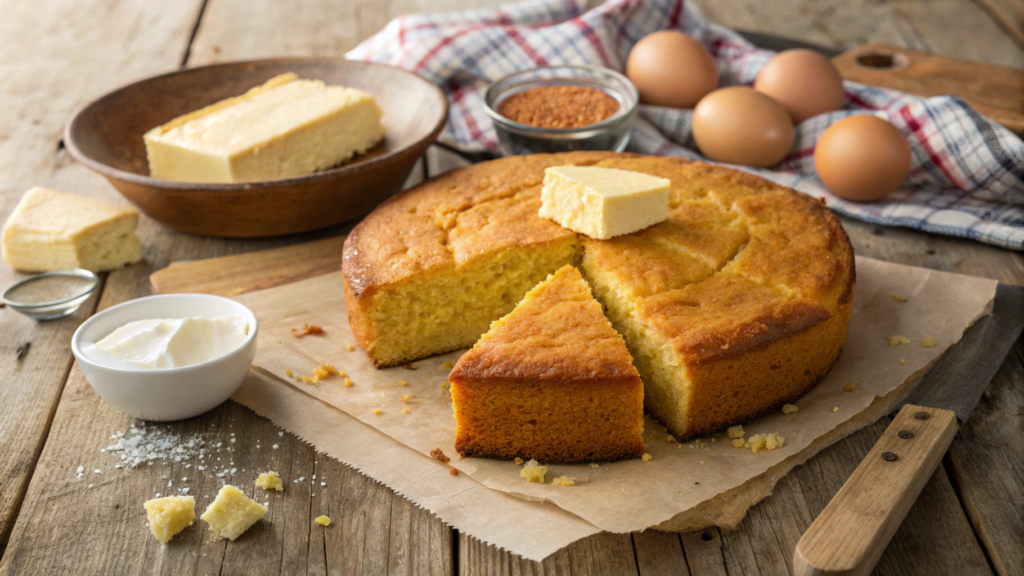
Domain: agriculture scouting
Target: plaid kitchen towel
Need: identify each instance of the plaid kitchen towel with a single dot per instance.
(967, 172)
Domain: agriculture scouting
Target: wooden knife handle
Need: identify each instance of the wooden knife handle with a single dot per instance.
(851, 532)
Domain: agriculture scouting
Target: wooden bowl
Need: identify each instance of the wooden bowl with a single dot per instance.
(106, 136)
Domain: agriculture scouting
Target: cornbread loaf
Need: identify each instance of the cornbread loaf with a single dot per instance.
(734, 305)
(551, 381)
(52, 230)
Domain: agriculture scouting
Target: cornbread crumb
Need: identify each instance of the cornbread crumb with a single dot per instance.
(670, 438)
(348, 382)
(447, 365)
(534, 472)
(323, 520)
(307, 330)
(701, 462)
(738, 442)
(410, 366)
(735, 432)
(519, 461)
(899, 298)
(713, 440)
(850, 387)
(438, 454)
(406, 411)
(789, 408)
(647, 457)
(897, 340)
(835, 409)
(170, 515)
(928, 342)
(323, 371)
(769, 441)
(376, 410)
(232, 513)
(405, 398)
(902, 362)
(594, 464)
(351, 347)
(270, 481)
(453, 472)
(288, 373)
(564, 481)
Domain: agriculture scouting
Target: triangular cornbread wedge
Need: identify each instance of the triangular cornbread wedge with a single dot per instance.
(551, 381)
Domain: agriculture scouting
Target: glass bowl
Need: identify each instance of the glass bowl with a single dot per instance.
(51, 295)
(611, 133)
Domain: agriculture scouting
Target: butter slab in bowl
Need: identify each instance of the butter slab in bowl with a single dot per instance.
(107, 136)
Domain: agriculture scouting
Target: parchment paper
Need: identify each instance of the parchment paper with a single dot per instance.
(683, 487)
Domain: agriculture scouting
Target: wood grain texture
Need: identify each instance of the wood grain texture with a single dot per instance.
(850, 534)
(51, 66)
(1009, 14)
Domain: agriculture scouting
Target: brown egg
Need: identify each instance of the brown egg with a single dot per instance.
(862, 158)
(804, 82)
(670, 68)
(741, 126)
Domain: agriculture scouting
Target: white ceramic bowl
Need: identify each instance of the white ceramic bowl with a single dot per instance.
(171, 394)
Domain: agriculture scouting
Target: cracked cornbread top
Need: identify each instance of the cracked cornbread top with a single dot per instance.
(728, 233)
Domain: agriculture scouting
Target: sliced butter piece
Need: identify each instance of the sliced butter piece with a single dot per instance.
(52, 230)
(232, 513)
(603, 202)
(286, 127)
(170, 515)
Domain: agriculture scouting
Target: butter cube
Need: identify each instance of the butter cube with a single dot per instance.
(270, 481)
(286, 127)
(232, 513)
(170, 515)
(51, 230)
(603, 202)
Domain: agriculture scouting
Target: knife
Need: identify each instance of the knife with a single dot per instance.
(850, 534)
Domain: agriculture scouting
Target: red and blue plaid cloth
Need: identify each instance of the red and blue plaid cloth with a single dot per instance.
(967, 173)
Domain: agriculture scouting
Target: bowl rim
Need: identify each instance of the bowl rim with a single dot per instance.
(93, 278)
(620, 115)
(83, 358)
(116, 173)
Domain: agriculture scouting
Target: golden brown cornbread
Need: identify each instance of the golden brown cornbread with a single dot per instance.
(733, 306)
(551, 381)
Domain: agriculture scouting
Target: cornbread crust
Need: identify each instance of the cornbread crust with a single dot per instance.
(735, 305)
(551, 381)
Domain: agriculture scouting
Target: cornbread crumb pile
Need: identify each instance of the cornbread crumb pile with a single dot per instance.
(519, 461)
(647, 457)
(170, 515)
(769, 441)
(438, 454)
(270, 481)
(307, 330)
(735, 432)
(232, 513)
(897, 340)
(323, 520)
(928, 342)
(321, 372)
(534, 472)
(453, 472)
(789, 408)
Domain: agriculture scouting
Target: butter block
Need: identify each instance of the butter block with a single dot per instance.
(232, 513)
(603, 202)
(52, 230)
(284, 128)
(170, 515)
(270, 481)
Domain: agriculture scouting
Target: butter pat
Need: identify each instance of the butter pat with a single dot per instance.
(51, 230)
(232, 513)
(175, 342)
(270, 481)
(286, 127)
(603, 202)
(168, 516)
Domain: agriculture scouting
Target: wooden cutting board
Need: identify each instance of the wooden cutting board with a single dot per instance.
(995, 91)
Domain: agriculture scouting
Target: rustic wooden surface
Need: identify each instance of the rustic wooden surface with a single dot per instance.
(58, 54)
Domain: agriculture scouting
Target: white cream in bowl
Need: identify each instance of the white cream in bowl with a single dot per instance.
(162, 343)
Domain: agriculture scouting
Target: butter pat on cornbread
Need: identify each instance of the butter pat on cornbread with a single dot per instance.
(168, 516)
(232, 513)
(51, 230)
(286, 127)
(603, 202)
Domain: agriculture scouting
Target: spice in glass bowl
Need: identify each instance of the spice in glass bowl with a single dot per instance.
(559, 106)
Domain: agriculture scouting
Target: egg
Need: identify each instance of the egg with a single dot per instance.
(739, 125)
(862, 158)
(672, 69)
(804, 82)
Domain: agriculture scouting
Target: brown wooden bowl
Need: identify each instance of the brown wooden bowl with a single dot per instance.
(106, 136)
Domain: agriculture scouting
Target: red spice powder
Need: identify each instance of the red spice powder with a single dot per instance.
(559, 106)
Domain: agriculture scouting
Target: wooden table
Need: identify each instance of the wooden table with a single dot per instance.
(57, 54)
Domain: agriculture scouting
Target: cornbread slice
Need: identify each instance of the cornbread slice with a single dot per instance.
(52, 230)
(551, 381)
(286, 127)
(232, 513)
(603, 202)
(170, 515)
